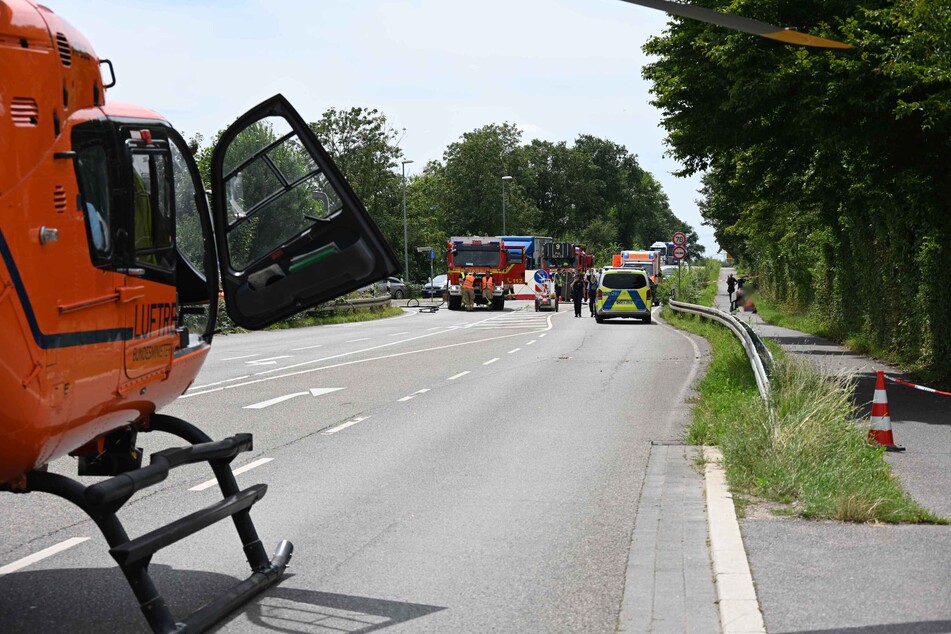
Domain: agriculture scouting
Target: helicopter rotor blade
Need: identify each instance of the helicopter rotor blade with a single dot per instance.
(738, 23)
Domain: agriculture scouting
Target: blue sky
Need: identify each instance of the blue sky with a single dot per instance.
(438, 68)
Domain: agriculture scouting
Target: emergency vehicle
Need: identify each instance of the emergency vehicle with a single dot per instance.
(623, 292)
(481, 255)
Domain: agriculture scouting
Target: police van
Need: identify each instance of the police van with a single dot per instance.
(623, 292)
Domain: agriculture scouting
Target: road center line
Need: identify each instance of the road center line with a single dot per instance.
(414, 395)
(246, 356)
(397, 334)
(306, 348)
(251, 465)
(237, 378)
(531, 342)
(360, 339)
(491, 361)
(43, 554)
(456, 376)
(334, 430)
(542, 335)
(514, 351)
(268, 361)
(356, 361)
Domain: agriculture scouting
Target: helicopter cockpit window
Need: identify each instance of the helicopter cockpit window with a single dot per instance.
(93, 176)
(273, 190)
(152, 221)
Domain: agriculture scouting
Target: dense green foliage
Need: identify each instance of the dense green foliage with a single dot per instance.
(593, 192)
(826, 172)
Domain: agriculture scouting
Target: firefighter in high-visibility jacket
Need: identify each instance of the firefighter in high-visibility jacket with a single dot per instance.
(488, 286)
(468, 291)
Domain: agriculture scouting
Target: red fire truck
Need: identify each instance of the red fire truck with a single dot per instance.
(481, 255)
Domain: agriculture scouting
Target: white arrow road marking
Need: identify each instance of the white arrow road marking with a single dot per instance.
(238, 471)
(317, 391)
(43, 554)
(414, 394)
(244, 356)
(307, 348)
(334, 430)
(201, 387)
(456, 376)
(268, 361)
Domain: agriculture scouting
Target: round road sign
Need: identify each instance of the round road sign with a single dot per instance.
(680, 253)
(679, 239)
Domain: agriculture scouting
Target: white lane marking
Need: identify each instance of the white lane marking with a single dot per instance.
(334, 430)
(482, 321)
(491, 361)
(531, 342)
(435, 328)
(317, 391)
(356, 361)
(251, 465)
(307, 348)
(43, 554)
(201, 387)
(397, 334)
(456, 376)
(542, 335)
(246, 356)
(514, 351)
(414, 394)
(268, 361)
(356, 340)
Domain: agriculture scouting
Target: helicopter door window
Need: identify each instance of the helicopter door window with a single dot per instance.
(152, 222)
(273, 190)
(93, 176)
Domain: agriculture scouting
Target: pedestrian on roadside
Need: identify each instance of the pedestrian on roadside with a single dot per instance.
(730, 289)
(592, 290)
(577, 293)
(558, 285)
(468, 290)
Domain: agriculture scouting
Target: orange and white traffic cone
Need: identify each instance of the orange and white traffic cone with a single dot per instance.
(881, 423)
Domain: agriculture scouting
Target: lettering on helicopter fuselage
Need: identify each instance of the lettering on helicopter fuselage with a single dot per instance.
(147, 353)
(154, 319)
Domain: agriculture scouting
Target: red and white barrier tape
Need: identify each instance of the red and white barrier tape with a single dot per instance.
(917, 387)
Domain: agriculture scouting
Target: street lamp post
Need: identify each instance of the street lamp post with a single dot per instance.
(504, 178)
(405, 230)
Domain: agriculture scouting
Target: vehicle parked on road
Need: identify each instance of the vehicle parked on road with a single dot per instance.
(392, 286)
(436, 288)
(623, 292)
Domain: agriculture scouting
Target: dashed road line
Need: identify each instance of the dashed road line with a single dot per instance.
(360, 339)
(531, 342)
(244, 356)
(268, 361)
(397, 334)
(491, 361)
(41, 555)
(237, 378)
(414, 394)
(251, 465)
(342, 426)
(307, 348)
(456, 376)
(514, 351)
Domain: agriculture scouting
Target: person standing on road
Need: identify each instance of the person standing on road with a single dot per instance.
(577, 293)
(557, 277)
(468, 291)
(488, 286)
(731, 288)
(592, 290)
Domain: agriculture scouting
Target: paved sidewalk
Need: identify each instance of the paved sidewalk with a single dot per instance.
(860, 579)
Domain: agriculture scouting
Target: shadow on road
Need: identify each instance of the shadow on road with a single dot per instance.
(918, 627)
(87, 600)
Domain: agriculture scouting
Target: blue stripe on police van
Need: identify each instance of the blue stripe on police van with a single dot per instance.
(636, 298)
(612, 297)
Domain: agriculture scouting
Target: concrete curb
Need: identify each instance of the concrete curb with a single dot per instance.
(739, 608)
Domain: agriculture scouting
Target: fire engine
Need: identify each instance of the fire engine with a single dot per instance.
(110, 260)
(481, 255)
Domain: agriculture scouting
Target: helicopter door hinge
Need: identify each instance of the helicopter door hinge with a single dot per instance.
(32, 375)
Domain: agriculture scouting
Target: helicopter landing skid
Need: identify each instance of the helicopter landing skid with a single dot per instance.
(102, 500)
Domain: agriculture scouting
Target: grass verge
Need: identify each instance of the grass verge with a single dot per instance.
(814, 459)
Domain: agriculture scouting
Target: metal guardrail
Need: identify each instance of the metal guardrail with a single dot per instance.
(353, 304)
(758, 354)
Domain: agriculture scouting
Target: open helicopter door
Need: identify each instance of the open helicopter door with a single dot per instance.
(290, 231)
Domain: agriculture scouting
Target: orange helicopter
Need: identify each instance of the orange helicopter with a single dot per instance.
(110, 260)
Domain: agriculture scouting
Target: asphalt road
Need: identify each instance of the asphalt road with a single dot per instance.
(436, 472)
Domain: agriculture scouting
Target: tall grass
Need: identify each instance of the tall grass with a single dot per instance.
(811, 455)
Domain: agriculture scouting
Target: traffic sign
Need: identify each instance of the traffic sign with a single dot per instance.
(680, 253)
(541, 276)
(679, 239)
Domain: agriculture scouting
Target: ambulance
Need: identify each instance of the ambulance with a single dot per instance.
(623, 292)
